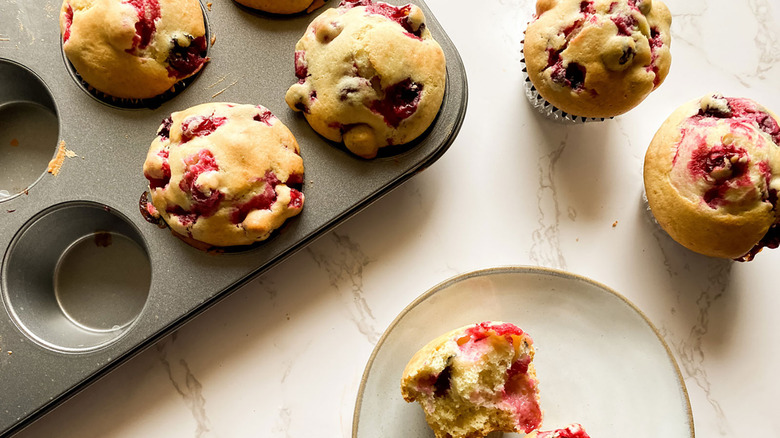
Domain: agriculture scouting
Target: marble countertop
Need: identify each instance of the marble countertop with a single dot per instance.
(284, 355)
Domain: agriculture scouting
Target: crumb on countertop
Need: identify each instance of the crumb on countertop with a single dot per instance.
(614, 224)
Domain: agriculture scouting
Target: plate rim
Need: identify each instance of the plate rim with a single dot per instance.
(515, 269)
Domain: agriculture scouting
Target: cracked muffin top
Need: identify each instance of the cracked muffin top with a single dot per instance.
(133, 49)
(475, 380)
(224, 174)
(369, 74)
(597, 58)
(712, 175)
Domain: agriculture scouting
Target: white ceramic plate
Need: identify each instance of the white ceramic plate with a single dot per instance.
(599, 360)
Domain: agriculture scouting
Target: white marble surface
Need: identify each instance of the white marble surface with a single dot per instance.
(283, 356)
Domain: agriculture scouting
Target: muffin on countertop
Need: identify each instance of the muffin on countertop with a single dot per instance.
(475, 380)
(135, 49)
(712, 175)
(224, 174)
(369, 74)
(597, 58)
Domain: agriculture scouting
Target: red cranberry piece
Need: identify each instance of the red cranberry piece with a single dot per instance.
(301, 71)
(443, 381)
(400, 102)
(354, 3)
(148, 211)
(769, 125)
(656, 43)
(261, 201)
(569, 31)
(482, 330)
(186, 218)
(625, 24)
(200, 126)
(296, 199)
(164, 131)
(587, 7)
(746, 110)
(655, 39)
(553, 57)
(295, 179)
(518, 367)
(203, 204)
(68, 23)
(725, 159)
(398, 14)
(148, 12)
(264, 117)
(572, 76)
(704, 161)
(568, 432)
(166, 168)
(185, 61)
(575, 74)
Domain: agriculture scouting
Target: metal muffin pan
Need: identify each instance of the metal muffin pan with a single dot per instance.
(86, 282)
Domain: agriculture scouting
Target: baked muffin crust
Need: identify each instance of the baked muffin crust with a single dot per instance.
(224, 174)
(134, 49)
(712, 174)
(597, 58)
(370, 75)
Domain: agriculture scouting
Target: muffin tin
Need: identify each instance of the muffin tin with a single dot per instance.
(85, 281)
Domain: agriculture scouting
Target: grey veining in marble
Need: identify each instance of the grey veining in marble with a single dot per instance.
(690, 350)
(186, 385)
(546, 246)
(344, 265)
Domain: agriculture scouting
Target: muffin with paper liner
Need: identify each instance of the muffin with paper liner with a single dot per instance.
(712, 175)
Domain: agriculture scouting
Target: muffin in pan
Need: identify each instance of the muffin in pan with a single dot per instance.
(370, 75)
(224, 174)
(284, 7)
(134, 49)
(596, 58)
(475, 380)
(712, 175)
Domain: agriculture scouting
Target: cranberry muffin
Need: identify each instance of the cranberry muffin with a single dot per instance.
(224, 174)
(712, 174)
(597, 58)
(133, 49)
(475, 380)
(283, 6)
(571, 431)
(369, 74)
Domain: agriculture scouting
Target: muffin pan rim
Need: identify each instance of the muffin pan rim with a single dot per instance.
(53, 190)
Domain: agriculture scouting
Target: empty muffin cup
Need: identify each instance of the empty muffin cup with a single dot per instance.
(76, 277)
(29, 128)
